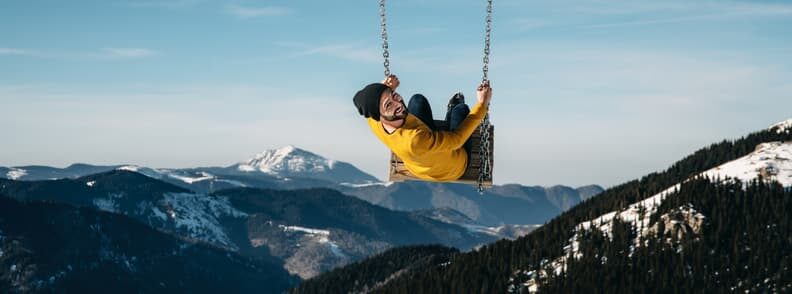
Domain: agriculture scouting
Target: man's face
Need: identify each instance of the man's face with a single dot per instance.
(392, 106)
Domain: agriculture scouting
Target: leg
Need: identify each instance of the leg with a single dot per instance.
(420, 108)
(458, 98)
(455, 118)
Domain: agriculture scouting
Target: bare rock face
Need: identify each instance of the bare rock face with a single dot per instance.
(679, 223)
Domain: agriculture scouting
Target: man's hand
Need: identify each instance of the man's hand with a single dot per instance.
(391, 81)
(484, 93)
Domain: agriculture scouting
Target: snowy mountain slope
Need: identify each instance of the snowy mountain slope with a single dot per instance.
(770, 161)
(291, 161)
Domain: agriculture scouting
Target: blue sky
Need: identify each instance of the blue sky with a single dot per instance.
(584, 91)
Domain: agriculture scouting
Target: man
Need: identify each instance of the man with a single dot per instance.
(409, 131)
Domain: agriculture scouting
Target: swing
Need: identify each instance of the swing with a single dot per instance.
(479, 169)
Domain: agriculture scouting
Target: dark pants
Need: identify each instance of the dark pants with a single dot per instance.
(419, 107)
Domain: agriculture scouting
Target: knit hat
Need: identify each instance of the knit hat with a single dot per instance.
(367, 100)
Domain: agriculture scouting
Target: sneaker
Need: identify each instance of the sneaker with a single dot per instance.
(455, 100)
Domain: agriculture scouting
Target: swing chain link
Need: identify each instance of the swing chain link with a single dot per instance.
(487, 34)
(384, 35)
(485, 169)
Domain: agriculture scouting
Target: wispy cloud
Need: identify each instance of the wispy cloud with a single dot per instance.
(128, 53)
(532, 23)
(596, 14)
(160, 3)
(109, 53)
(253, 12)
(14, 51)
(348, 51)
(647, 13)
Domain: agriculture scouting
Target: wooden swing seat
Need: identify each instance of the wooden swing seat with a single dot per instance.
(399, 173)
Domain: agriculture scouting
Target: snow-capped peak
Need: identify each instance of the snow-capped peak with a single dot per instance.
(784, 126)
(287, 160)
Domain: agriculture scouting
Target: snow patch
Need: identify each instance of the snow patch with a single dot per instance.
(321, 236)
(132, 168)
(16, 173)
(149, 172)
(110, 203)
(199, 216)
(369, 184)
(783, 127)
(232, 182)
(336, 250)
(772, 161)
(189, 180)
(311, 231)
(504, 231)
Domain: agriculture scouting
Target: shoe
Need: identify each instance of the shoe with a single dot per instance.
(455, 100)
(458, 98)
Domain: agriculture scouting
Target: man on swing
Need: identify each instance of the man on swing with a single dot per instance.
(409, 131)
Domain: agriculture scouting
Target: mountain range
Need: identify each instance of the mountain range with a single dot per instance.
(716, 221)
(290, 168)
(310, 230)
(293, 206)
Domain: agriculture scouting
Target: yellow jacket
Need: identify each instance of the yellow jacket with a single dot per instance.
(431, 155)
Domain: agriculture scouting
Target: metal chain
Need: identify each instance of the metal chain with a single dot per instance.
(487, 33)
(485, 169)
(384, 34)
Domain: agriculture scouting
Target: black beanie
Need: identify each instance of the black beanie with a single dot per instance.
(367, 100)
